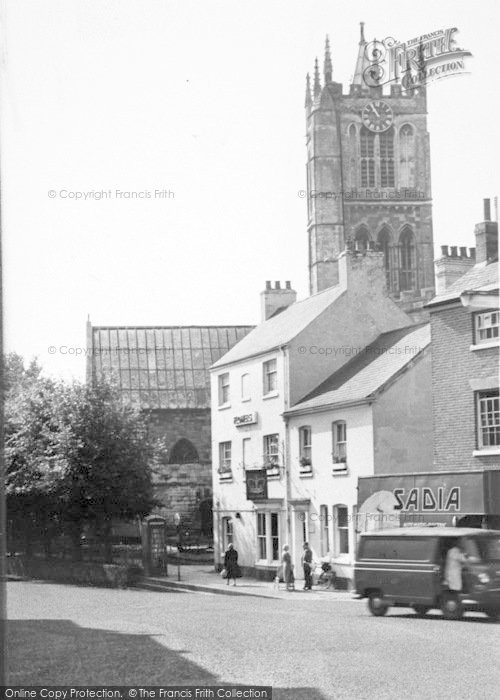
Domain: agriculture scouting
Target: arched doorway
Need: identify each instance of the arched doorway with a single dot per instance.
(183, 452)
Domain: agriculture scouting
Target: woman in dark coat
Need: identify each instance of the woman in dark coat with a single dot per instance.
(231, 565)
(286, 563)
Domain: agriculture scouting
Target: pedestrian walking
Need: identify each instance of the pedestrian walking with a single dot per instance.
(286, 564)
(231, 564)
(307, 558)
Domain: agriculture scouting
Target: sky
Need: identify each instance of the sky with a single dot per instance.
(199, 104)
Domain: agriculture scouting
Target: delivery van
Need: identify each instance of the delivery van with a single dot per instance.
(405, 567)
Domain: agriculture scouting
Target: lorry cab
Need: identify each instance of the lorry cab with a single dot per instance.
(405, 567)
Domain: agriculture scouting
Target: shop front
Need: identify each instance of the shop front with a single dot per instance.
(453, 498)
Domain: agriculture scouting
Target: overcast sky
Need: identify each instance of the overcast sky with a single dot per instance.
(202, 99)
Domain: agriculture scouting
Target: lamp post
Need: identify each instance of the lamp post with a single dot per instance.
(177, 520)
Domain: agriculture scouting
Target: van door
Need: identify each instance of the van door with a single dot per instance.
(414, 575)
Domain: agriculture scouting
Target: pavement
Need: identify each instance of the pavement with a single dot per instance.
(203, 578)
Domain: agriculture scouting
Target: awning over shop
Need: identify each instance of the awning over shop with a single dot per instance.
(394, 500)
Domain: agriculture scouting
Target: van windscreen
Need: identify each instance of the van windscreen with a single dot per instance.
(399, 548)
(489, 548)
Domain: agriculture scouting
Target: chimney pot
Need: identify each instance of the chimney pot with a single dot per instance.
(453, 251)
(472, 252)
(463, 252)
(268, 284)
(288, 284)
(487, 211)
(444, 251)
(277, 285)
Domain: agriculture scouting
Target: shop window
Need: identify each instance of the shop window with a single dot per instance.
(325, 530)
(268, 541)
(227, 532)
(341, 525)
(488, 411)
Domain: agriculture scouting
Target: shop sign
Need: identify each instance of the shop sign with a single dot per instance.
(256, 485)
(245, 419)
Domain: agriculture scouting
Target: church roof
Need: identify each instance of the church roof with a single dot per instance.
(281, 329)
(369, 370)
(161, 366)
(483, 277)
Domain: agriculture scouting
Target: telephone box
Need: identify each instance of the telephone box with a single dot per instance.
(154, 545)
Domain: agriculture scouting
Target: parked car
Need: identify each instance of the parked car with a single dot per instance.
(405, 568)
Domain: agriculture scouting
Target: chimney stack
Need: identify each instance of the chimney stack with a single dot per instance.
(273, 301)
(486, 234)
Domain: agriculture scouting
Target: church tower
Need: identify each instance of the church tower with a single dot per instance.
(368, 178)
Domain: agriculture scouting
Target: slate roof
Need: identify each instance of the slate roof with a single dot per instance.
(482, 277)
(282, 328)
(161, 366)
(370, 370)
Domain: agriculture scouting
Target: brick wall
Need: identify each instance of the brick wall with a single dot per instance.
(453, 366)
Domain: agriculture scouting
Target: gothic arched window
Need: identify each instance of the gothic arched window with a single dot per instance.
(386, 143)
(183, 452)
(384, 244)
(407, 260)
(367, 143)
(361, 238)
(353, 156)
(406, 155)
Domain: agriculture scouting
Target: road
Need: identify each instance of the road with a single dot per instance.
(310, 649)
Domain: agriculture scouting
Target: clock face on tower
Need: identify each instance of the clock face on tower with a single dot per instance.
(377, 116)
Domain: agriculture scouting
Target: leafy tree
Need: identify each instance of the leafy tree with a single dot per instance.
(76, 456)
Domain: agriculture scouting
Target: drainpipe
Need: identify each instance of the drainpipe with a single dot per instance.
(286, 450)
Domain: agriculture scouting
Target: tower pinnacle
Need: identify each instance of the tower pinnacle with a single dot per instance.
(308, 101)
(327, 68)
(317, 84)
(362, 62)
(362, 39)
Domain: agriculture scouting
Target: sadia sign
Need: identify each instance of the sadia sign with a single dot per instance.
(427, 499)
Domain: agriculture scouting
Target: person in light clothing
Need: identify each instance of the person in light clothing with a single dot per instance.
(455, 560)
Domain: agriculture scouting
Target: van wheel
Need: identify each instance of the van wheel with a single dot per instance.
(451, 606)
(421, 610)
(376, 604)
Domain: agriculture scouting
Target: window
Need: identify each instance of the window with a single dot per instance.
(367, 142)
(223, 388)
(245, 451)
(341, 521)
(224, 457)
(271, 451)
(406, 155)
(227, 532)
(354, 160)
(407, 256)
(268, 540)
(488, 409)
(386, 141)
(183, 452)
(245, 387)
(384, 244)
(362, 238)
(261, 535)
(325, 530)
(270, 376)
(487, 325)
(397, 548)
(305, 447)
(339, 444)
